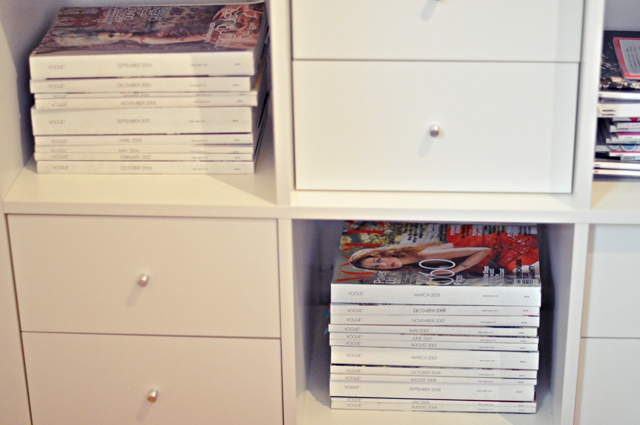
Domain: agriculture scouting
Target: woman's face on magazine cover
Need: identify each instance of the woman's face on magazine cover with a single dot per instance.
(381, 263)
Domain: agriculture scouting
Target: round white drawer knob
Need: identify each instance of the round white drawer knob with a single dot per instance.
(153, 395)
(143, 279)
(434, 130)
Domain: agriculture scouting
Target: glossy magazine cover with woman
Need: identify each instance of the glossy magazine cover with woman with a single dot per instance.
(428, 263)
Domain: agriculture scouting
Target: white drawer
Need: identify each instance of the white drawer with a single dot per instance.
(206, 276)
(610, 382)
(105, 379)
(505, 127)
(612, 290)
(497, 30)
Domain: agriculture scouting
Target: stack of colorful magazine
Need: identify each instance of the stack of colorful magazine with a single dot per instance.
(618, 140)
(151, 89)
(435, 317)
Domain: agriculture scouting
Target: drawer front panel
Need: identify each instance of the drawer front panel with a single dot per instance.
(206, 276)
(495, 30)
(610, 382)
(105, 379)
(612, 291)
(366, 126)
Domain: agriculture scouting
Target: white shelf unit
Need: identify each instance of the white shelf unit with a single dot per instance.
(307, 220)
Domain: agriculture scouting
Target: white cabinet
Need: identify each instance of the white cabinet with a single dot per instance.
(89, 379)
(493, 30)
(610, 382)
(610, 379)
(235, 263)
(208, 277)
(364, 125)
(471, 96)
(612, 291)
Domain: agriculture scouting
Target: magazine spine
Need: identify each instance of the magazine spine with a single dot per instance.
(146, 121)
(421, 401)
(434, 345)
(436, 330)
(624, 126)
(434, 371)
(615, 164)
(176, 149)
(428, 338)
(147, 139)
(441, 391)
(156, 64)
(42, 156)
(621, 138)
(445, 310)
(146, 102)
(435, 407)
(609, 172)
(144, 167)
(431, 379)
(621, 109)
(441, 358)
(423, 294)
(143, 85)
(410, 319)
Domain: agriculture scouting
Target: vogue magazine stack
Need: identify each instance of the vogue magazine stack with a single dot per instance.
(618, 141)
(151, 89)
(435, 317)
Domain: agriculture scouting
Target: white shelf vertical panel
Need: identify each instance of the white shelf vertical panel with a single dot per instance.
(14, 407)
(281, 97)
(587, 102)
(568, 256)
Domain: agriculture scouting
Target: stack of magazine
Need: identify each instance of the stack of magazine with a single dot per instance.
(435, 317)
(151, 89)
(618, 140)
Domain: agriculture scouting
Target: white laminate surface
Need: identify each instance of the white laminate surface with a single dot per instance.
(105, 379)
(366, 126)
(206, 276)
(477, 30)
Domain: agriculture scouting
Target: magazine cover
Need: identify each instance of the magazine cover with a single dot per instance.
(152, 41)
(394, 253)
(139, 29)
(620, 68)
(437, 263)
